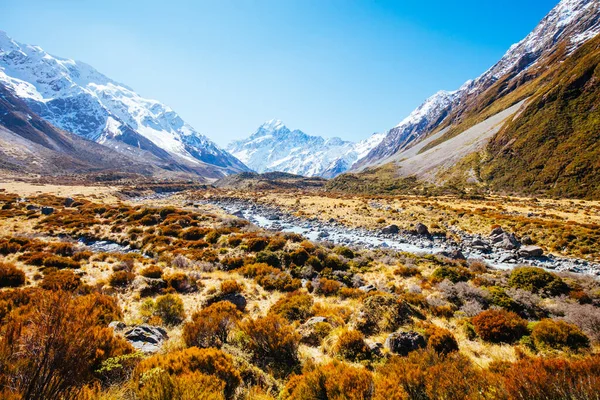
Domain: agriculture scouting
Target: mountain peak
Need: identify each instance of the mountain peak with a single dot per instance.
(272, 125)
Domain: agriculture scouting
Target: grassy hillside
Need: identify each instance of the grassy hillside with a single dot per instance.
(553, 147)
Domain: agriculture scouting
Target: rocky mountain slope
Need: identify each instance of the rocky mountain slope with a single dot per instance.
(75, 97)
(274, 147)
(31, 145)
(562, 45)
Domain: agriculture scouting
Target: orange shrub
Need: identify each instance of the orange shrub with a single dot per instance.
(231, 286)
(205, 361)
(351, 346)
(62, 280)
(211, 326)
(295, 306)
(335, 380)
(121, 278)
(11, 276)
(327, 287)
(52, 348)
(60, 262)
(440, 340)
(257, 244)
(272, 342)
(499, 326)
(271, 278)
(152, 271)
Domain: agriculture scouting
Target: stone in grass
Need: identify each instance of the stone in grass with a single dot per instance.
(404, 342)
(421, 229)
(146, 338)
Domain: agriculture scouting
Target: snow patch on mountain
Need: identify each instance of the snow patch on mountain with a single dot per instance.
(274, 147)
(75, 97)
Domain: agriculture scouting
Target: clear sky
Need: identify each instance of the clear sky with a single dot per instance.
(328, 67)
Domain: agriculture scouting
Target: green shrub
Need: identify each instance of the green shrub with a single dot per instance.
(453, 274)
(558, 335)
(499, 326)
(537, 280)
(170, 309)
(268, 257)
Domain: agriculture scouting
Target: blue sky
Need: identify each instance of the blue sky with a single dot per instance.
(329, 67)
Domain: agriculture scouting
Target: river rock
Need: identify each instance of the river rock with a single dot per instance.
(421, 229)
(238, 214)
(504, 240)
(530, 251)
(453, 254)
(390, 230)
(47, 210)
(146, 338)
(404, 342)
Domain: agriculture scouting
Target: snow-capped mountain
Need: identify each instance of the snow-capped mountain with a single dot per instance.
(75, 97)
(273, 147)
(572, 22)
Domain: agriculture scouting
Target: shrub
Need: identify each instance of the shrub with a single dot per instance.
(552, 378)
(152, 271)
(425, 374)
(537, 280)
(331, 381)
(327, 287)
(231, 286)
(268, 257)
(499, 326)
(230, 263)
(181, 282)
(121, 278)
(205, 361)
(194, 233)
(11, 276)
(7, 247)
(234, 240)
(295, 306)
(498, 297)
(271, 278)
(381, 312)
(62, 280)
(51, 349)
(62, 249)
(277, 243)
(60, 262)
(213, 236)
(351, 346)
(272, 342)
(156, 384)
(169, 308)
(211, 326)
(556, 334)
(257, 244)
(441, 340)
(453, 274)
(344, 252)
(299, 256)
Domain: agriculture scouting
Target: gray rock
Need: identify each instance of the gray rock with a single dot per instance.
(421, 229)
(47, 210)
(32, 207)
(146, 338)
(404, 342)
(453, 254)
(238, 214)
(390, 230)
(236, 299)
(69, 202)
(368, 288)
(504, 240)
(530, 251)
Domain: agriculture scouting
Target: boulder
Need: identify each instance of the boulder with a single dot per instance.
(368, 288)
(236, 299)
(504, 240)
(404, 342)
(390, 230)
(69, 202)
(421, 229)
(530, 251)
(146, 338)
(31, 207)
(47, 210)
(453, 254)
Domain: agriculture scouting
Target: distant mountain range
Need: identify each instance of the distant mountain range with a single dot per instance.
(76, 98)
(274, 147)
(530, 124)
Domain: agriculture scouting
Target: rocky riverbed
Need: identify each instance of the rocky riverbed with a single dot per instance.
(499, 249)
